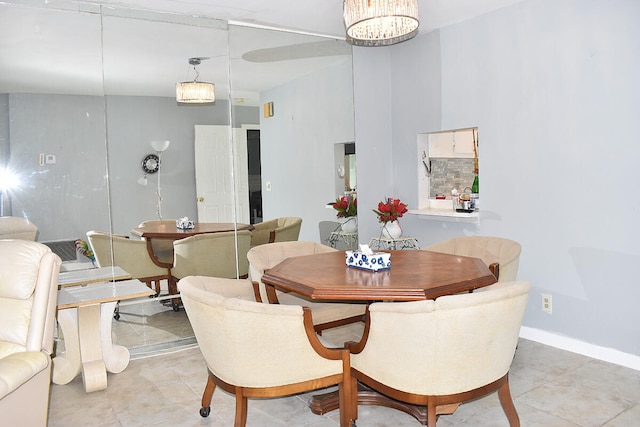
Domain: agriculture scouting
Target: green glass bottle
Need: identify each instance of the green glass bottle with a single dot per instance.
(475, 193)
(475, 187)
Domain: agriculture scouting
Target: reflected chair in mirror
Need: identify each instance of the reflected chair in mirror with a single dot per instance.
(325, 314)
(440, 353)
(162, 248)
(502, 256)
(285, 229)
(210, 254)
(248, 354)
(16, 227)
(28, 297)
(129, 254)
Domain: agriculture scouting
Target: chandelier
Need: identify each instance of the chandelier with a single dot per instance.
(380, 22)
(195, 92)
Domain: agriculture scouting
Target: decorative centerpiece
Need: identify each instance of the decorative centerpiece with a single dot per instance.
(347, 207)
(388, 213)
(185, 224)
(368, 260)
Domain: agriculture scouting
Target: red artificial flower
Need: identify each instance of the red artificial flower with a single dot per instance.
(390, 210)
(346, 206)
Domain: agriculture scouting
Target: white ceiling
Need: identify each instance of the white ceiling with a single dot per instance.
(317, 16)
(47, 47)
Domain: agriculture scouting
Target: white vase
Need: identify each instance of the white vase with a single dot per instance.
(391, 230)
(349, 224)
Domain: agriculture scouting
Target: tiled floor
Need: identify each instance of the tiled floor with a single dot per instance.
(163, 384)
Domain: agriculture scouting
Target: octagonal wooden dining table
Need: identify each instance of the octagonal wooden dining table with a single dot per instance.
(414, 275)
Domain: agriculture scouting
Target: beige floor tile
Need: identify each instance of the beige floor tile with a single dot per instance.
(163, 385)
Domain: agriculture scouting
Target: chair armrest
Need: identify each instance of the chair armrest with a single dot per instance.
(18, 368)
(495, 269)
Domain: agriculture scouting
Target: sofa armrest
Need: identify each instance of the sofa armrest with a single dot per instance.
(18, 368)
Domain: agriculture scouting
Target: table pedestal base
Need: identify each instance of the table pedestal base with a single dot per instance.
(323, 403)
(88, 348)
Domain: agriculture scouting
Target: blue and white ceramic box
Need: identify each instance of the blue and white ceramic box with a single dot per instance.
(374, 261)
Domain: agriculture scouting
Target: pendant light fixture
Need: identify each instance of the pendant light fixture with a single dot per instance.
(195, 92)
(380, 22)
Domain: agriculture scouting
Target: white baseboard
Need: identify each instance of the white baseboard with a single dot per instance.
(576, 346)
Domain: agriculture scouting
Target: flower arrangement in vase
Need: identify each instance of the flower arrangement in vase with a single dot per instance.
(347, 207)
(388, 213)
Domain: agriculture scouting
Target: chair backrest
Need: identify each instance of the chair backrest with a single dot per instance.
(211, 254)
(28, 296)
(163, 248)
(284, 229)
(489, 249)
(325, 228)
(243, 342)
(129, 254)
(263, 257)
(288, 229)
(15, 227)
(451, 345)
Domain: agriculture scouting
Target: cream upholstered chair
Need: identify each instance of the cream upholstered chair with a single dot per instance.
(28, 299)
(129, 254)
(256, 350)
(325, 314)
(443, 352)
(15, 227)
(162, 248)
(212, 254)
(501, 255)
(285, 229)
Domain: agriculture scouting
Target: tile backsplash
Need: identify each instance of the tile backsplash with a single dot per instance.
(447, 174)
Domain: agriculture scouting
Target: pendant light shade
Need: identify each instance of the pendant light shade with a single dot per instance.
(380, 22)
(195, 92)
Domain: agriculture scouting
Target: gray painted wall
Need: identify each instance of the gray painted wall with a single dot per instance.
(552, 87)
(311, 115)
(69, 197)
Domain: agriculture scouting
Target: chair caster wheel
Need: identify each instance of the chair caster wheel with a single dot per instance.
(204, 412)
(176, 307)
(116, 316)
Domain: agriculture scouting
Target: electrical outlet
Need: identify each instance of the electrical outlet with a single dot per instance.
(547, 303)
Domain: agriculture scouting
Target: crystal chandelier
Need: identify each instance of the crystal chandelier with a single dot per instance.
(195, 92)
(380, 22)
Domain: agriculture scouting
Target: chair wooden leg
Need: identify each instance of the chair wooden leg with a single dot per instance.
(206, 397)
(507, 405)
(241, 409)
(431, 413)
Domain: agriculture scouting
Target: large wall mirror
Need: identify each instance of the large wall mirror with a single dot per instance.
(85, 90)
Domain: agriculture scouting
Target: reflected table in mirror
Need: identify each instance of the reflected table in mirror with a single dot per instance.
(349, 239)
(401, 243)
(84, 319)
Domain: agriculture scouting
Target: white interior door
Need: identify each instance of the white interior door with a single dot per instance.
(214, 175)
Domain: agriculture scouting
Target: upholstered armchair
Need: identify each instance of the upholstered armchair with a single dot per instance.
(501, 255)
(325, 314)
(212, 254)
(28, 299)
(285, 229)
(15, 227)
(256, 350)
(162, 248)
(441, 353)
(129, 254)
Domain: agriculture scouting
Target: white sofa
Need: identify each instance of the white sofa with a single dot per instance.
(28, 299)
